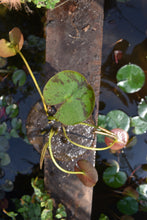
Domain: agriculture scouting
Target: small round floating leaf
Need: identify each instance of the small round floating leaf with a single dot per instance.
(4, 159)
(4, 144)
(16, 37)
(142, 109)
(16, 123)
(90, 177)
(14, 133)
(140, 126)
(130, 191)
(3, 128)
(113, 178)
(6, 49)
(127, 205)
(130, 78)
(122, 139)
(118, 119)
(12, 110)
(142, 190)
(75, 96)
(8, 186)
(19, 77)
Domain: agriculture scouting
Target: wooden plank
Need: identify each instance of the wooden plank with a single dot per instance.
(74, 41)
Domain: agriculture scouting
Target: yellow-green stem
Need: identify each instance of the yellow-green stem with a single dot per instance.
(52, 132)
(85, 147)
(34, 80)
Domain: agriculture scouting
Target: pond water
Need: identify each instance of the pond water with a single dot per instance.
(125, 21)
(125, 29)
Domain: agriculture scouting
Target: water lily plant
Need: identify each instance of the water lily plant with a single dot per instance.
(75, 101)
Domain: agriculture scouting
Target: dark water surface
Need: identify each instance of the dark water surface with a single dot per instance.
(128, 22)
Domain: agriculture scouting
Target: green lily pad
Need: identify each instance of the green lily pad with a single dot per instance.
(8, 186)
(118, 119)
(19, 77)
(140, 126)
(14, 133)
(142, 190)
(127, 205)
(12, 110)
(75, 96)
(4, 159)
(16, 123)
(4, 144)
(130, 78)
(3, 128)
(142, 109)
(113, 178)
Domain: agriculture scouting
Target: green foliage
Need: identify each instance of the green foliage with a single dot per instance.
(140, 126)
(130, 78)
(75, 96)
(103, 217)
(12, 110)
(4, 159)
(128, 205)
(19, 77)
(142, 109)
(49, 4)
(39, 206)
(114, 178)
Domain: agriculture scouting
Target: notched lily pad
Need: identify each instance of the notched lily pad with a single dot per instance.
(16, 37)
(6, 49)
(91, 176)
(140, 126)
(128, 205)
(113, 178)
(118, 119)
(75, 96)
(130, 78)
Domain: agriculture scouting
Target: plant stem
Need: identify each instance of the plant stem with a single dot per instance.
(34, 80)
(100, 130)
(52, 132)
(85, 147)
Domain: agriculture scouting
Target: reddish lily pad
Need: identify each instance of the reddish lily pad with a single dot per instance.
(16, 38)
(8, 49)
(91, 176)
(122, 139)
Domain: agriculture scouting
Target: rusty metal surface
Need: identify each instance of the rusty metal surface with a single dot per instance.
(74, 41)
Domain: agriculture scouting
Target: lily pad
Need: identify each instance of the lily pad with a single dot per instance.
(142, 109)
(142, 190)
(127, 205)
(90, 177)
(140, 126)
(16, 123)
(3, 128)
(75, 96)
(16, 38)
(8, 49)
(4, 159)
(12, 110)
(122, 139)
(130, 78)
(113, 178)
(19, 77)
(4, 144)
(118, 119)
